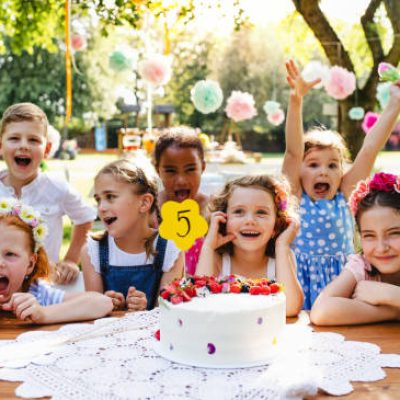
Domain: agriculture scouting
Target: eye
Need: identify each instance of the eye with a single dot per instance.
(395, 233)
(262, 212)
(313, 165)
(191, 169)
(10, 254)
(35, 140)
(333, 166)
(169, 170)
(110, 196)
(367, 236)
(238, 211)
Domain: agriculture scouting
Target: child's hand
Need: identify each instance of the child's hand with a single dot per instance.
(299, 86)
(66, 272)
(289, 234)
(371, 292)
(214, 238)
(136, 300)
(25, 307)
(117, 298)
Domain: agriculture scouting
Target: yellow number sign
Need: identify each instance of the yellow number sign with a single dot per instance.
(182, 223)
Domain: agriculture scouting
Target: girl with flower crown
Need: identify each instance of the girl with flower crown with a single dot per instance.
(251, 229)
(368, 289)
(24, 266)
(314, 163)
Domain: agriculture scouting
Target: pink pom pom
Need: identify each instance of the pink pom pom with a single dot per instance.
(240, 106)
(78, 42)
(369, 121)
(383, 67)
(156, 70)
(276, 117)
(341, 83)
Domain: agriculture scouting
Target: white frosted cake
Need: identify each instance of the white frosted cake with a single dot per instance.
(222, 330)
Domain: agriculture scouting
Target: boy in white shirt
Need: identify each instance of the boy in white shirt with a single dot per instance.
(23, 145)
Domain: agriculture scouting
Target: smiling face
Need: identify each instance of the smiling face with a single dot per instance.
(180, 171)
(119, 208)
(251, 217)
(16, 260)
(380, 238)
(23, 146)
(321, 173)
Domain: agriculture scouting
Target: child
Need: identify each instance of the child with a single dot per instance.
(23, 261)
(129, 260)
(179, 161)
(250, 233)
(24, 144)
(314, 166)
(368, 288)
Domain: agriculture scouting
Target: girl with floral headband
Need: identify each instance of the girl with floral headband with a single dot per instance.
(252, 226)
(368, 289)
(315, 164)
(24, 267)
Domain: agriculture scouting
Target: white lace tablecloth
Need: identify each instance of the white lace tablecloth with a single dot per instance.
(114, 359)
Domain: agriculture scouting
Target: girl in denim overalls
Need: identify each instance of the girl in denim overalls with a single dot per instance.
(128, 261)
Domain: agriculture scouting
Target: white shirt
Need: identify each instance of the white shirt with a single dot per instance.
(120, 258)
(226, 267)
(53, 198)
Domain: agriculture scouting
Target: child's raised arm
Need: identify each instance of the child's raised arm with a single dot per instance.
(373, 143)
(335, 305)
(294, 151)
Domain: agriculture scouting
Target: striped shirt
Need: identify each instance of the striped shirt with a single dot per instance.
(45, 294)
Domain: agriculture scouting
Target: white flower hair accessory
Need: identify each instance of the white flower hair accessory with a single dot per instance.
(28, 215)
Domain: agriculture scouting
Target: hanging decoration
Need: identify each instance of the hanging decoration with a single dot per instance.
(240, 106)
(119, 61)
(369, 121)
(341, 83)
(316, 70)
(78, 42)
(383, 93)
(68, 69)
(156, 70)
(276, 118)
(388, 73)
(271, 106)
(356, 113)
(206, 96)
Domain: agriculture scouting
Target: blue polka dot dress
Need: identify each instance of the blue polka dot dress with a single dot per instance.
(323, 243)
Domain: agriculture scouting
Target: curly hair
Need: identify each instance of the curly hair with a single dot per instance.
(41, 269)
(278, 188)
(128, 172)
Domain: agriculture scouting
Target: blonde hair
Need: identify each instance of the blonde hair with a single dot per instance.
(127, 172)
(278, 188)
(23, 112)
(41, 269)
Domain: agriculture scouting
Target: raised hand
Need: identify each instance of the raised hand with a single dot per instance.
(299, 86)
(289, 234)
(136, 300)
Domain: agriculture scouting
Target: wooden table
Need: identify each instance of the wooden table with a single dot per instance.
(385, 335)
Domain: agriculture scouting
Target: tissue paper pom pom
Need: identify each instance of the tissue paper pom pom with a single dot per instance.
(206, 96)
(156, 69)
(356, 113)
(119, 62)
(387, 72)
(276, 118)
(314, 70)
(369, 121)
(78, 42)
(271, 106)
(383, 93)
(240, 106)
(341, 83)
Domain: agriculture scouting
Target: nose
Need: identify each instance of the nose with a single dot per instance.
(180, 180)
(101, 206)
(249, 218)
(382, 245)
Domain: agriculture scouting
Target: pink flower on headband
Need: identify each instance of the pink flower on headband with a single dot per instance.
(281, 201)
(380, 182)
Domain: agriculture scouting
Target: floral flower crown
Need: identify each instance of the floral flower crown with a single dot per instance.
(380, 182)
(29, 216)
(281, 199)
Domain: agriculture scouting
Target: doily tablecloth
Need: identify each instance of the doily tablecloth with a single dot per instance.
(114, 358)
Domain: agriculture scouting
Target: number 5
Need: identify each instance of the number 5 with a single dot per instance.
(187, 220)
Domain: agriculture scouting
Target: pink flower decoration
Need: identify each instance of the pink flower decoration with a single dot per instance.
(383, 67)
(341, 83)
(369, 121)
(156, 70)
(78, 42)
(383, 182)
(276, 117)
(240, 106)
(361, 190)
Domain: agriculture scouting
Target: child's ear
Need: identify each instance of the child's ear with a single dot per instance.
(48, 148)
(32, 263)
(146, 202)
(203, 166)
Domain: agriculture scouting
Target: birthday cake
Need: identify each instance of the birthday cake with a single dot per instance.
(224, 323)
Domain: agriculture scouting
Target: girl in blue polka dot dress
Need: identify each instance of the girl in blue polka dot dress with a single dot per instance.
(314, 165)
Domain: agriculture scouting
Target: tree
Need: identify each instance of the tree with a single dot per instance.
(338, 55)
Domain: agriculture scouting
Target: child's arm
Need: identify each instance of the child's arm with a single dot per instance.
(334, 305)
(68, 269)
(294, 151)
(209, 260)
(373, 143)
(75, 307)
(286, 269)
(378, 293)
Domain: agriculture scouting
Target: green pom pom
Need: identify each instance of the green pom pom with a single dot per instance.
(119, 62)
(207, 96)
(356, 113)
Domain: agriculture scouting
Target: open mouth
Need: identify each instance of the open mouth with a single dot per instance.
(182, 194)
(322, 188)
(23, 161)
(4, 282)
(109, 220)
(250, 234)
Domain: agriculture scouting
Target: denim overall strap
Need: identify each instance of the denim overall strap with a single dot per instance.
(104, 260)
(158, 264)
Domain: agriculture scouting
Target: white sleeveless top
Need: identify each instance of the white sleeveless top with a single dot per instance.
(226, 267)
